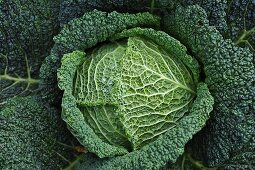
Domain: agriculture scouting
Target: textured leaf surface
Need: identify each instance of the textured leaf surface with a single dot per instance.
(26, 31)
(234, 19)
(156, 91)
(230, 77)
(70, 9)
(215, 9)
(243, 158)
(94, 90)
(241, 22)
(30, 136)
(97, 77)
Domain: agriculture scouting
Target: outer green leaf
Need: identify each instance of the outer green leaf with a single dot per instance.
(30, 136)
(70, 9)
(26, 31)
(230, 77)
(243, 158)
(241, 22)
(215, 9)
(233, 18)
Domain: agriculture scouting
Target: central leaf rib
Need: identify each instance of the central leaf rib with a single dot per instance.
(168, 79)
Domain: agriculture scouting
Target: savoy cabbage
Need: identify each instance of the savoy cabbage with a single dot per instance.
(128, 92)
(115, 78)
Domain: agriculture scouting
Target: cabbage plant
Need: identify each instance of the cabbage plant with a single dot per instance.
(36, 35)
(124, 94)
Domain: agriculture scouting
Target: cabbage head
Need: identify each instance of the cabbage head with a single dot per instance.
(123, 94)
(132, 91)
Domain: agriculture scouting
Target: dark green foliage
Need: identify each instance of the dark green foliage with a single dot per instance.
(70, 9)
(30, 136)
(242, 158)
(234, 19)
(215, 9)
(26, 31)
(241, 22)
(230, 77)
